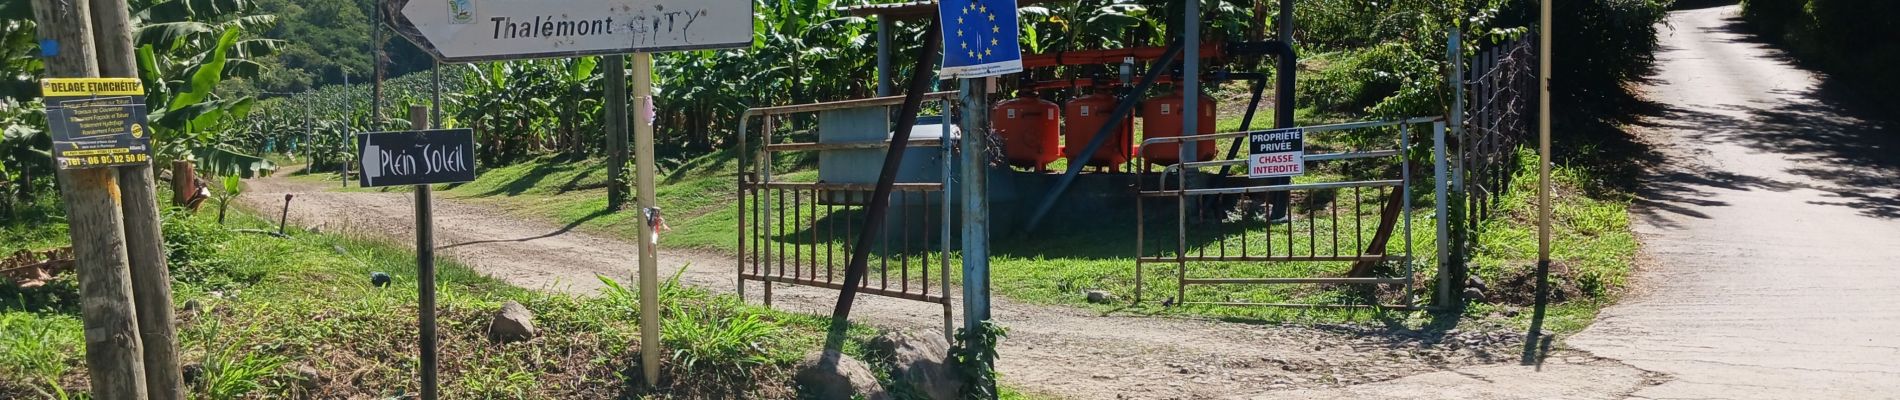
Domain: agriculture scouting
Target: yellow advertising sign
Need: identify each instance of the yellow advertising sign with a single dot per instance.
(97, 122)
(65, 87)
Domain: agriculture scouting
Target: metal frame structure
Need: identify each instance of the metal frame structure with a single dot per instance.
(1180, 257)
(763, 209)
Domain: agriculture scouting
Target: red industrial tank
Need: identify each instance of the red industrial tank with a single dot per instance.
(1085, 116)
(1161, 117)
(1029, 130)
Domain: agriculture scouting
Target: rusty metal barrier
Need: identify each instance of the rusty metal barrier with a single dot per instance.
(1316, 231)
(800, 231)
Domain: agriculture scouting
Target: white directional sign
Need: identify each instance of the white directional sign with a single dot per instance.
(482, 30)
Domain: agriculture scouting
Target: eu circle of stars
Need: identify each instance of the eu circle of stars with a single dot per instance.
(980, 32)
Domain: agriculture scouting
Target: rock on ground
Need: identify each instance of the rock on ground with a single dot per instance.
(830, 375)
(306, 376)
(513, 323)
(923, 361)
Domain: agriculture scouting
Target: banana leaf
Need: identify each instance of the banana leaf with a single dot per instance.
(208, 75)
(170, 36)
(225, 161)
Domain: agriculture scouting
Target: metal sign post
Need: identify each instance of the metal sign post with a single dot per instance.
(980, 41)
(420, 158)
(457, 31)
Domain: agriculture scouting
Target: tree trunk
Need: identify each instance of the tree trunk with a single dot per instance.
(183, 174)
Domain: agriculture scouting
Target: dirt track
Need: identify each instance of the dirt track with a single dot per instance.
(1060, 351)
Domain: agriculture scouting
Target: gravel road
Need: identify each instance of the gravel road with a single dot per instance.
(1051, 350)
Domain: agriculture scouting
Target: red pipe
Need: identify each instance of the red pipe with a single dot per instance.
(1213, 50)
(1089, 82)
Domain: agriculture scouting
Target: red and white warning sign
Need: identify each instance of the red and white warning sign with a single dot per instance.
(1276, 153)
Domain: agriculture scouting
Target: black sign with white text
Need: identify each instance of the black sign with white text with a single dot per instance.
(97, 122)
(416, 157)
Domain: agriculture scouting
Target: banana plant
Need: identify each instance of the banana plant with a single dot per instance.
(25, 153)
(230, 189)
(20, 63)
(186, 48)
(192, 122)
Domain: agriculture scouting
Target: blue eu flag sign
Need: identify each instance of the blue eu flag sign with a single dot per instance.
(979, 38)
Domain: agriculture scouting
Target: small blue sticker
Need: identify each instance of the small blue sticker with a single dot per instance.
(49, 47)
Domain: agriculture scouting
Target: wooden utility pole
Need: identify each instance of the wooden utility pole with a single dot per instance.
(376, 88)
(144, 244)
(1544, 33)
(616, 81)
(113, 349)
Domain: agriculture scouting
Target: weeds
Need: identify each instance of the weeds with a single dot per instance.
(38, 347)
(711, 335)
(231, 369)
(262, 305)
(975, 356)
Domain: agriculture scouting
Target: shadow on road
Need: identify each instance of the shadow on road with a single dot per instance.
(557, 232)
(1841, 145)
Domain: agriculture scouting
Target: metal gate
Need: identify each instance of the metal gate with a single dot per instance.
(799, 228)
(1327, 226)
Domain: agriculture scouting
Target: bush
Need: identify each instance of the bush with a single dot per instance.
(1352, 82)
(1850, 39)
(204, 254)
(1388, 59)
(1603, 45)
(190, 245)
(61, 295)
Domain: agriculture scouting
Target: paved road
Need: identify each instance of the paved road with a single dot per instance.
(1771, 236)
(1774, 231)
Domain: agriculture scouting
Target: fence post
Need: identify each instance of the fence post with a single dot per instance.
(1452, 269)
(1455, 53)
(183, 177)
(1440, 189)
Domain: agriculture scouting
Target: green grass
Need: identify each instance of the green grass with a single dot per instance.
(36, 225)
(1592, 245)
(1057, 265)
(254, 306)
